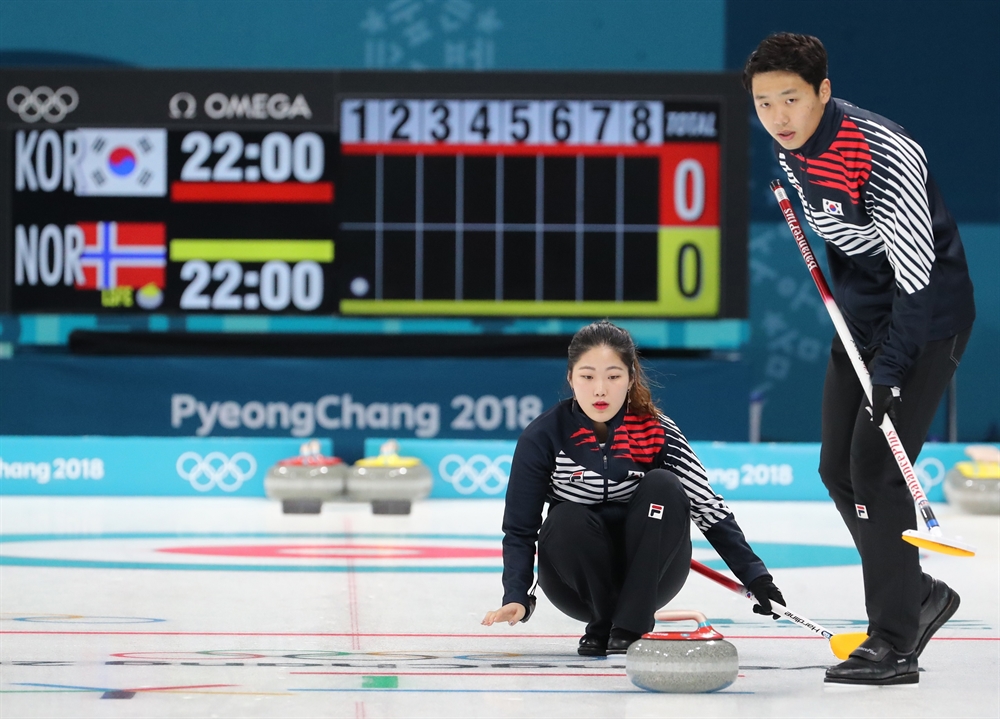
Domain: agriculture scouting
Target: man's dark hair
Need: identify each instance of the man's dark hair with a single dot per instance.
(787, 52)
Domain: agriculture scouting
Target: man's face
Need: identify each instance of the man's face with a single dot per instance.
(788, 107)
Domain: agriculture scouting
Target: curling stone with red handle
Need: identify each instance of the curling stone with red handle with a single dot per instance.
(682, 662)
(303, 483)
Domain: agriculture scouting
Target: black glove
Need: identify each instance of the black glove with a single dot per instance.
(764, 591)
(885, 401)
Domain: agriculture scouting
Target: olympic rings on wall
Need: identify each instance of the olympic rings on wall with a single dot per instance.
(930, 471)
(215, 467)
(33, 105)
(478, 472)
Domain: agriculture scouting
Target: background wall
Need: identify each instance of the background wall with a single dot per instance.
(399, 34)
(932, 66)
(346, 399)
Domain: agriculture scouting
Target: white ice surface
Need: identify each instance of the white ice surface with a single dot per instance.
(358, 643)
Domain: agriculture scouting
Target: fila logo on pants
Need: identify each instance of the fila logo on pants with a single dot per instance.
(862, 511)
(656, 511)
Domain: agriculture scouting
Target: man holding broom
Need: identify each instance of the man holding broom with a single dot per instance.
(900, 278)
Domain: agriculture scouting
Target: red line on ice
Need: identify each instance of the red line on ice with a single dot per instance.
(472, 674)
(352, 592)
(413, 635)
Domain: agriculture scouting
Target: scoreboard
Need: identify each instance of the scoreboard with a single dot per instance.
(375, 194)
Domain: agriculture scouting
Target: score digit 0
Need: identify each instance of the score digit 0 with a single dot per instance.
(689, 236)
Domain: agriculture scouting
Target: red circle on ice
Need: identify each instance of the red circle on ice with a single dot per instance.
(339, 551)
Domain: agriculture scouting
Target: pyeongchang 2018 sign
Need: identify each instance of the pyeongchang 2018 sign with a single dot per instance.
(141, 466)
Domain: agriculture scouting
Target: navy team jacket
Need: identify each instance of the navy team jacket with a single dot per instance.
(896, 259)
(558, 459)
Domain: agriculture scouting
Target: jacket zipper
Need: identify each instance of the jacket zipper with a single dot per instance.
(605, 456)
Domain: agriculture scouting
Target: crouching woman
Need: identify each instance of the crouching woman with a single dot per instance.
(623, 485)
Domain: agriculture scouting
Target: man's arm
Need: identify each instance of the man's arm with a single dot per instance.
(896, 197)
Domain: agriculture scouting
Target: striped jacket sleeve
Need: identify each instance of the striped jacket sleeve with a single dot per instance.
(707, 507)
(709, 510)
(896, 198)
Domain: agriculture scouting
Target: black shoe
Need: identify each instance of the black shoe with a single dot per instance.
(592, 645)
(939, 607)
(875, 663)
(620, 640)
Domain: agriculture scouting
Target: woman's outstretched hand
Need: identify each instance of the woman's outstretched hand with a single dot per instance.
(511, 613)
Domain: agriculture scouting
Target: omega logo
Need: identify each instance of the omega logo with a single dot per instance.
(183, 105)
(255, 106)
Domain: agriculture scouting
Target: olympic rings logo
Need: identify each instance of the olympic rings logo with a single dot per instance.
(42, 102)
(214, 468)
(930, 472)
(478, 472)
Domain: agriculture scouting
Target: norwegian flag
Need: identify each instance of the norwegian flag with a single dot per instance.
(123, 254)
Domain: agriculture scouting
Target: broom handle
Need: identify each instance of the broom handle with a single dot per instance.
(891, 436)
(740, 589)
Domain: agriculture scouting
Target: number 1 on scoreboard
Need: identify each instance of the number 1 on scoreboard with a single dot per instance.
(359, 121)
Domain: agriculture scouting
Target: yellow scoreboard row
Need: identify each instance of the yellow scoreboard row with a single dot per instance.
(688, 286)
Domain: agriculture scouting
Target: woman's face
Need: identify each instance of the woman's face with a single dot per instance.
(600, 383)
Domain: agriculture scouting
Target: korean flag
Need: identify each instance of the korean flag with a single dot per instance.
(122, 163)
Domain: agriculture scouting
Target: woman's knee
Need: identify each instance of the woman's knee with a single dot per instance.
(662, 487)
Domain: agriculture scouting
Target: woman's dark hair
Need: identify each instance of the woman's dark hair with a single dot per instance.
(603, 333)
(787, 52)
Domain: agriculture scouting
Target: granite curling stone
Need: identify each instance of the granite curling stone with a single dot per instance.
(303, 483)
(682, 662)
(390, 482)
(975, 486)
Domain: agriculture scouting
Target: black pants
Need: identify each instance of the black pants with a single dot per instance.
(858, 469)
(616, 563)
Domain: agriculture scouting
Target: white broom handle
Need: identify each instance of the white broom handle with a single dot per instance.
(891, 436)
(732, 586)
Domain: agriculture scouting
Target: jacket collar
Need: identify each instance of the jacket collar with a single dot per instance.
(826, 131)
(586, 421)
